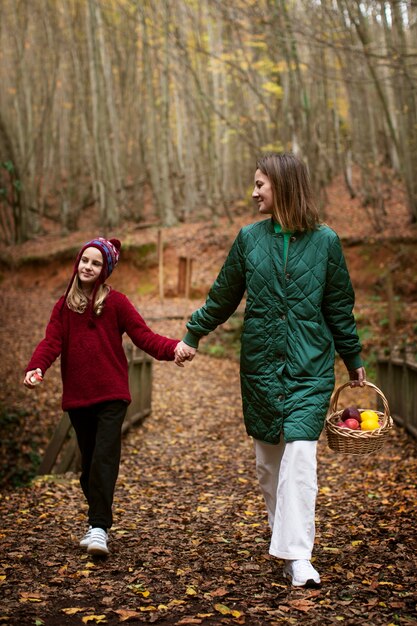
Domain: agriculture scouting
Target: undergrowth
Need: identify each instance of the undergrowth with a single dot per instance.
(19, 457)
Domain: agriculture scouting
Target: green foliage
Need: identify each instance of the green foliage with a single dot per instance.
(140, 256)
(9, 182)
(7, 418)
(8, 166)
(274, 89)
(216, 350)
(365, 333)
(370, 364)
(145, 288)
(225, 341)
(19, 458)
(270, 147)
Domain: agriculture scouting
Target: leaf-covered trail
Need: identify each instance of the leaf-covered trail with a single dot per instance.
(190, 539)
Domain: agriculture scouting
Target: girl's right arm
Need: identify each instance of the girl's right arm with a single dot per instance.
(158, 346)
(49, 348)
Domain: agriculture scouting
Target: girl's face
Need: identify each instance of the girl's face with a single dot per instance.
(89, 267)
(262, 193)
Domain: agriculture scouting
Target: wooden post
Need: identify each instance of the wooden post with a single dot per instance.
(160, 248)
(185, 265)
(188, 268)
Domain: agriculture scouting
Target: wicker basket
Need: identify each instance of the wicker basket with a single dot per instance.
(357, 441)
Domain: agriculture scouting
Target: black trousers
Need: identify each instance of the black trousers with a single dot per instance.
(99, 435)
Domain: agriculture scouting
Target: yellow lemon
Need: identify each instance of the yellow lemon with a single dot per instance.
(370, 424)
(369, 415)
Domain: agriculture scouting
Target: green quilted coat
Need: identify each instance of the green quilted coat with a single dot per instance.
(297, 313)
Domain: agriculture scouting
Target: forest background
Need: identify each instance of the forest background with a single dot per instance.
(114, 103)
(142, 119)
(135, 117)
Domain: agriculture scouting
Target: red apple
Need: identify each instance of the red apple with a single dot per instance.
(352, 424)
(351, 412)
(341, 424)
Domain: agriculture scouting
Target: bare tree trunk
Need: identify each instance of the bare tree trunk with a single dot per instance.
(104, 100)
(106, 179)
(406, 107)
(165, 158)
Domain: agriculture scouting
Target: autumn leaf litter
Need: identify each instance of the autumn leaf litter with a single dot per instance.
(190, 540)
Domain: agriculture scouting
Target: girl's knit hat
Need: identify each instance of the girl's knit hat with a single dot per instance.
(110, 251)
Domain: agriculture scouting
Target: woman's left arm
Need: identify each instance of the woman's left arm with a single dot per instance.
(337, 308)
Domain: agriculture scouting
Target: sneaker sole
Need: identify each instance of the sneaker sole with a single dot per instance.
(97, 550)
(309, 584)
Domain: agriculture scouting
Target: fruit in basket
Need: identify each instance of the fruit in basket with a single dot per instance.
(370, 424)
(369, 415)
(351, 412)
(352, 423)
(341, 424)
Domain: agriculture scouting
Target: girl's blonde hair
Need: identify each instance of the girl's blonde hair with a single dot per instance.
(77, 300)
(294, 205)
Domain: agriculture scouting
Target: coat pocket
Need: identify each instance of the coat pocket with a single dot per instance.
(253, 346)
(312, 351)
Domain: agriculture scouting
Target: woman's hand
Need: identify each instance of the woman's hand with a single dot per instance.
(183, 352)
(33, 378)
(357, 377)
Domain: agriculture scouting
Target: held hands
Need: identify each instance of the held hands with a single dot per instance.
(357, 377)
(183, 352)
(33, 378)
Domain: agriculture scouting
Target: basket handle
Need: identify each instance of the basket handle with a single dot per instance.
(335, 398)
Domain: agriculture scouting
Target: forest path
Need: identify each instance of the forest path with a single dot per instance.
(190, 539)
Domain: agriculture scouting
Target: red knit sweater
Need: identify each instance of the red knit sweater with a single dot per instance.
(93, 362)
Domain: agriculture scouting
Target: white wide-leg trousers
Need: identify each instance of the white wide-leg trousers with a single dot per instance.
(287, 475)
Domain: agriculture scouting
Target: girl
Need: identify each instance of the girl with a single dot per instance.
(298, 311)
(86, 329)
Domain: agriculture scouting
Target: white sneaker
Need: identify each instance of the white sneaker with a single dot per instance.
(301, 573)
(86, 539)
(98, 542)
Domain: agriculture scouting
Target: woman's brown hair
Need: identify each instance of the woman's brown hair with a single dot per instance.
(294, 205)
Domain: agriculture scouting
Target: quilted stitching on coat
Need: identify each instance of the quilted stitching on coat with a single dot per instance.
(295, 317)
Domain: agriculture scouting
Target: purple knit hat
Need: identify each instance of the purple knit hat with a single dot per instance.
(110, 251)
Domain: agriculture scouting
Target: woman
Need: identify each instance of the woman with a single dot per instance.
(298, 312)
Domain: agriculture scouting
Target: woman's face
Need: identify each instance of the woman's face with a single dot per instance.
(90, 266)
(262, 193)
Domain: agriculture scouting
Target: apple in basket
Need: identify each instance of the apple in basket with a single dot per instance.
(352, 424)
(351, 412)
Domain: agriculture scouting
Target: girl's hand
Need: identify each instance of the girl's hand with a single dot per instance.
(33, 378)
(357, 377)
(183, 352)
